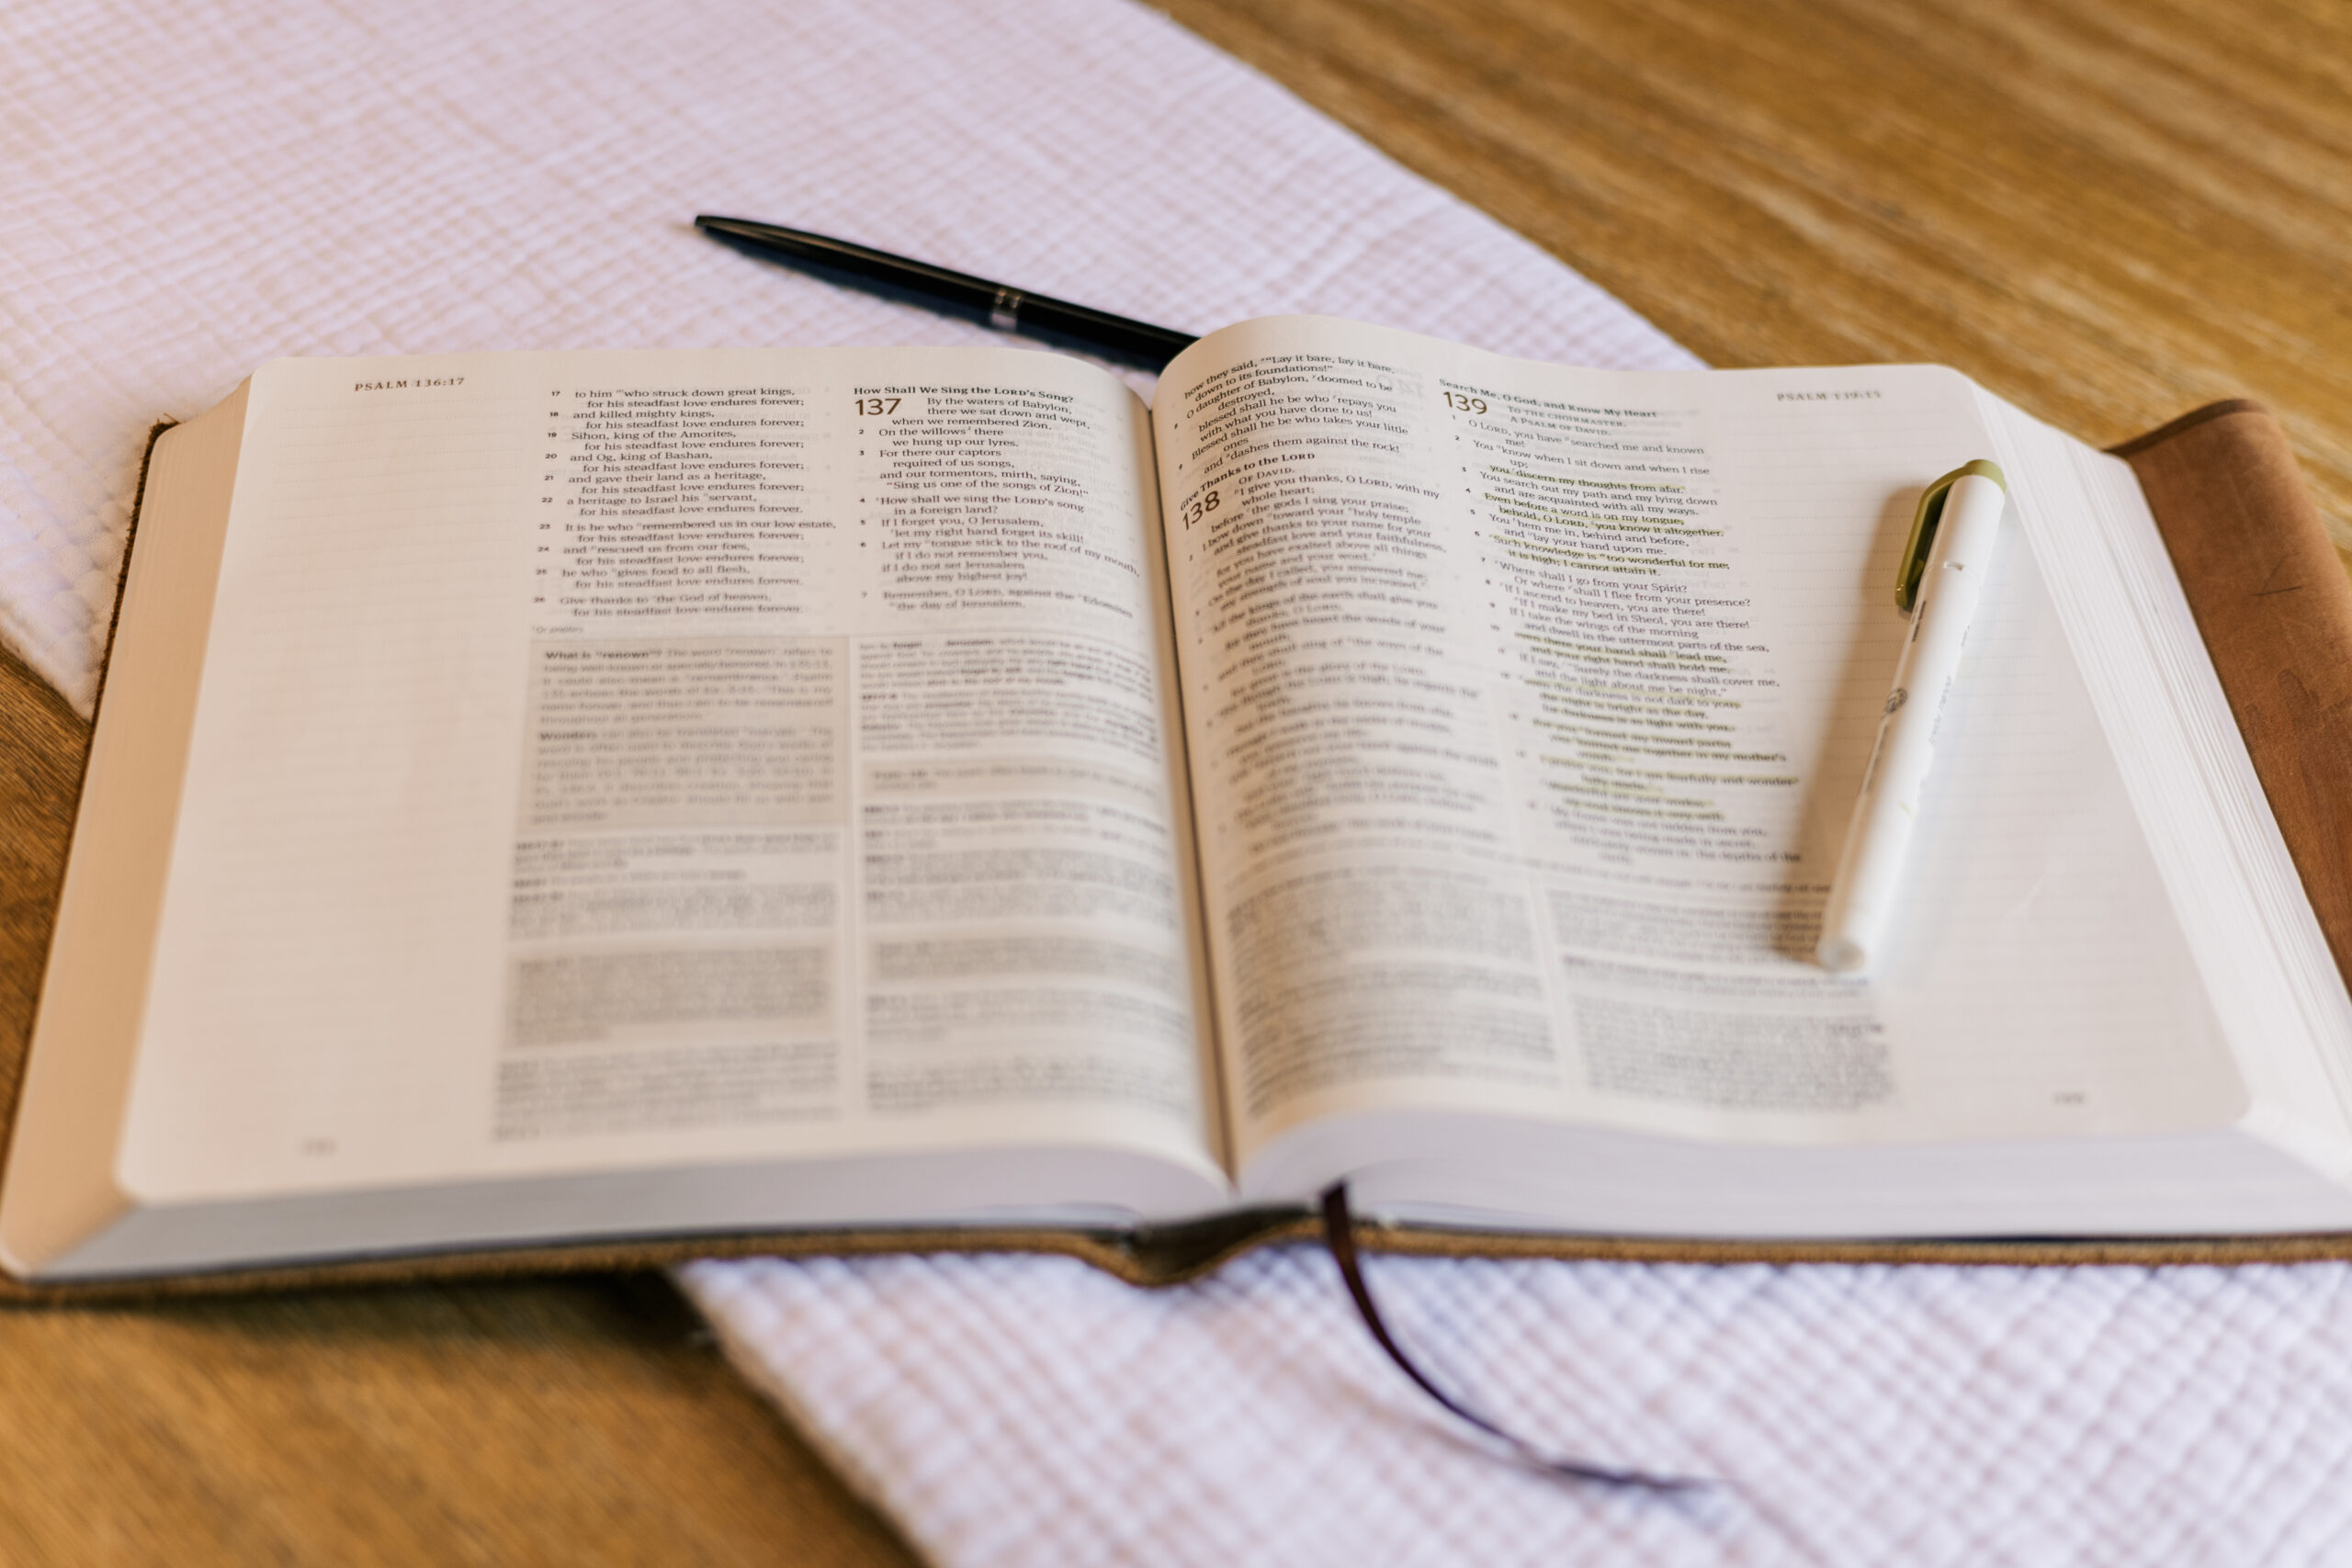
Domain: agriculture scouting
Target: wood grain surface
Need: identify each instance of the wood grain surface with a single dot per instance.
(2107, 210)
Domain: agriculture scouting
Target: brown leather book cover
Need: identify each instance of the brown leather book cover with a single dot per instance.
(2271, 599)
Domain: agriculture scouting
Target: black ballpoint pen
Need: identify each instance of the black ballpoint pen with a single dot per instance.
(998, 305)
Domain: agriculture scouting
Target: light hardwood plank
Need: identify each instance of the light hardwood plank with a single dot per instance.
(2108, 212)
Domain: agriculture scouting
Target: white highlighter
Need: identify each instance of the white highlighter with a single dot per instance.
(1958, 520)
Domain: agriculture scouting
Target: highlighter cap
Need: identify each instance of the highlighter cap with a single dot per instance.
(1913, 564)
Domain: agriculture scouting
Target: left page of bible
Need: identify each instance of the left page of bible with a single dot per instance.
(744, 781)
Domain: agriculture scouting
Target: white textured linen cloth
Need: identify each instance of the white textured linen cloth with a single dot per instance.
(187, 190)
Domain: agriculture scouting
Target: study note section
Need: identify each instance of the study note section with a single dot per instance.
(827, 638)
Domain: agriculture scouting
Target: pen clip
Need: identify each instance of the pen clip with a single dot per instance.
(1913, 564)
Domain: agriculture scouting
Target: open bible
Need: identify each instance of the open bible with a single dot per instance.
(560, 797)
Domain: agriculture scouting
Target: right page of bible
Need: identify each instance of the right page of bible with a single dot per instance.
(1527, 706)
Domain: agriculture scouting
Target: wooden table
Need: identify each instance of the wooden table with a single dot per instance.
(2107, 210)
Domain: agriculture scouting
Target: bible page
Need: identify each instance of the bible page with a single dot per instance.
(1527, 705)
(615, 761)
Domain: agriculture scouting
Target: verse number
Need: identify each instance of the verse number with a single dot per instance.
(1465, 405)
(1200, 507)
(876, 405)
